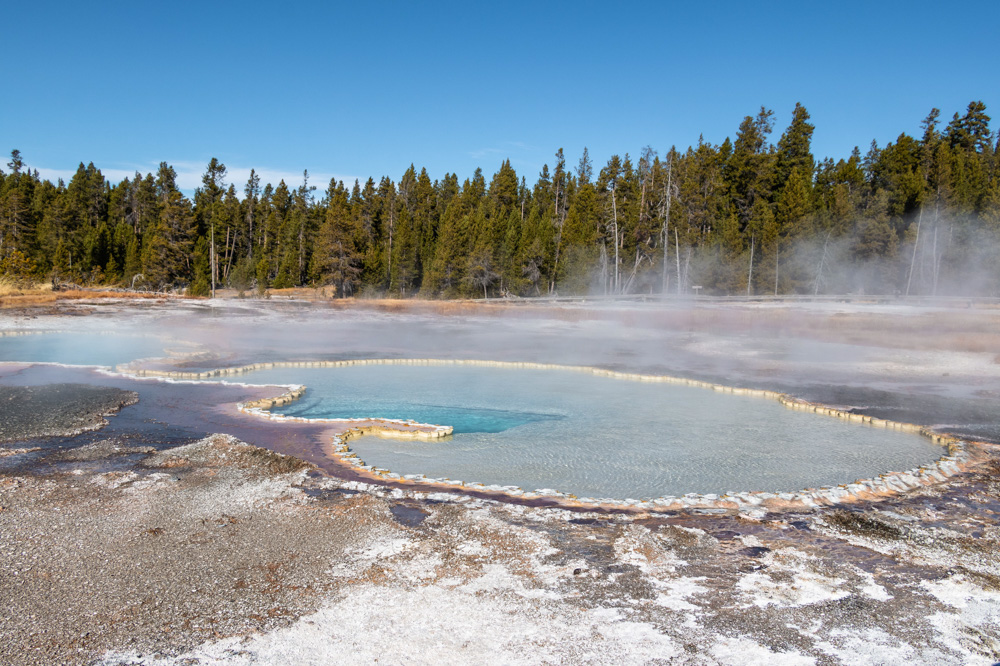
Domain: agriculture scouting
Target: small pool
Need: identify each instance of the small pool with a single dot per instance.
(595, 436)
(100, 349)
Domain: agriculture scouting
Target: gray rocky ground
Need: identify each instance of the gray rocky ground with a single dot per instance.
(218, 552)
(29, 412)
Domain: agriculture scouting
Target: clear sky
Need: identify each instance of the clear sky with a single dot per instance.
(364, 89)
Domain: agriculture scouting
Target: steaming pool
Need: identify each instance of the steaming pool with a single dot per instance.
(558, 429)
(594, 436)
(92, 349)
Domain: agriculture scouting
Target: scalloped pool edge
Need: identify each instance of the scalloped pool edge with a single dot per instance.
(960, 454)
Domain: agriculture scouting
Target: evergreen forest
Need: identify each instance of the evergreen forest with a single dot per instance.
(750, 216)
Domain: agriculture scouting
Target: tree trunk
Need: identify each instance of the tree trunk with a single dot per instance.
(392, 228)
(614, 211)
(819, 272)
(229, 255)
(604, 267)
(250, 240)
(913, 258)
(666, 229)
(211, 259)
(934, 262)
(561, 222)
(302, 249)
(688, 251)
(777, 254)
(677, 257)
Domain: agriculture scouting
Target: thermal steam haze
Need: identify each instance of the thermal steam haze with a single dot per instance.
(360, 90)
(827, 264)
(887, 353)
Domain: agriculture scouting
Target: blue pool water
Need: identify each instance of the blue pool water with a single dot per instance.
(596, 436)
(362, 392)
(463, 420)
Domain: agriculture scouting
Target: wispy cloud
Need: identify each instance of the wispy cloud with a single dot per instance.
(189, 175)
(507, 149)
(524, 157)
(486, 152)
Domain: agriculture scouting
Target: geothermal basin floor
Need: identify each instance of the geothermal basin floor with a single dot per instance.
(218, 552)
(148, 542)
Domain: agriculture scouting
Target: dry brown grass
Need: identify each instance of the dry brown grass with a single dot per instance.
(13, 287)
(420, 306)
(13, 295)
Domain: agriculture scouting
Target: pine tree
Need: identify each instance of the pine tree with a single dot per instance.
(580, 238)
(585, 168)
(749, 169)
(794, 148)
(16, 216)
(337, 260)
(251, 193)
(404, 254)
(607, 186)
(971, 132)
(425, 224)
(448, 265)
(168, 248)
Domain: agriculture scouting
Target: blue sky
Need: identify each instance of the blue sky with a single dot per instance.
(365, 89)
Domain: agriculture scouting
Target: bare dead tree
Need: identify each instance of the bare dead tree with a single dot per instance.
(665, 212)
(913, 258)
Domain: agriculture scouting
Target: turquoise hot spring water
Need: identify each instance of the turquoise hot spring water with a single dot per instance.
(595, 436)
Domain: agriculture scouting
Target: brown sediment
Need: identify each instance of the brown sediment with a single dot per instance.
(960, 455)
(6, 453)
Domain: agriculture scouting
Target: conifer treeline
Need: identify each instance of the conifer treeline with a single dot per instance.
(919, 215)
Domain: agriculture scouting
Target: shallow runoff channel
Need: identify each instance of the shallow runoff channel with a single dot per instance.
(594, 436)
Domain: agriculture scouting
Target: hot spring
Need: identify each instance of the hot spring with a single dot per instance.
(555, 429)
(594, 436)
(94, 349)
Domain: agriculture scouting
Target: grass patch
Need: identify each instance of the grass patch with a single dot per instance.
(11, 286)
(20, 295)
